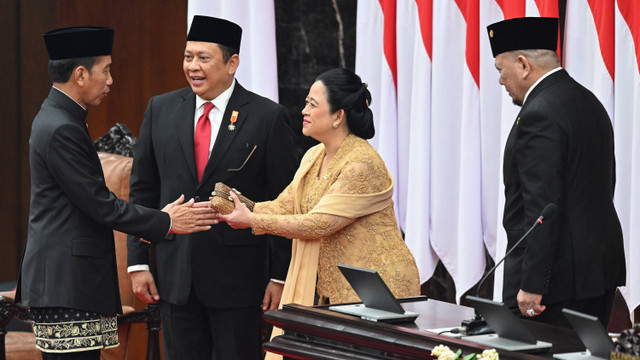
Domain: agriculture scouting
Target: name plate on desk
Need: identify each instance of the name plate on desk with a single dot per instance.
(374, 314)
(592, 334)
(379, 302)
(501, 343)
(510, 335)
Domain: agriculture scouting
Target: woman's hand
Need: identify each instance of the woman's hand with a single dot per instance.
(241, 217)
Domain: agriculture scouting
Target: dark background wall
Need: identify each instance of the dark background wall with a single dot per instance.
(147, 60)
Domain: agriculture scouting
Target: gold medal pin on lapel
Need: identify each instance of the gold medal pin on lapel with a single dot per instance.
(234, 118)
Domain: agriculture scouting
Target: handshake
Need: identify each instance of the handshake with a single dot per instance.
(194, 216)
(191, 216)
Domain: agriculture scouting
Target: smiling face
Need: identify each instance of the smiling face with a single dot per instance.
(317, 119)
(96, 82)
(512, 74)
(205, 69)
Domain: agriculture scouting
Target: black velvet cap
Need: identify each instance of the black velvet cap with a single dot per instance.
(215, 30)
(527, 33)
(77, 42)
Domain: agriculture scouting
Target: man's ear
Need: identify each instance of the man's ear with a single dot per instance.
(523, 66)
(233, 63)
(79, 75)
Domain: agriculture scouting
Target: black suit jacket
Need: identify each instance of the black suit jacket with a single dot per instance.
(227, 268)
(561, 150)
(69, 259)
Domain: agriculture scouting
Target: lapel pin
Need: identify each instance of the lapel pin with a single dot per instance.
(234, 118)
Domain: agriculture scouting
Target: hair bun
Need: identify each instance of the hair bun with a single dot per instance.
(345, 90)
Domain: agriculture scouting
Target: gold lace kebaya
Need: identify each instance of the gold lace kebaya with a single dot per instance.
(344, 215)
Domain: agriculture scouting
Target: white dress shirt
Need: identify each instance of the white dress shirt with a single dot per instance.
(538, 82)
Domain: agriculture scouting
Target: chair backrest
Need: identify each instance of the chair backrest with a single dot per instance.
(117, 170)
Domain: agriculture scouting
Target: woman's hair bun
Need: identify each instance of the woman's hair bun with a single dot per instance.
(345, 90)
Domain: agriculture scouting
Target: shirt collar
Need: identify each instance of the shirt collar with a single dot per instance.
(538, 82)
(219, 102)
(74, 100)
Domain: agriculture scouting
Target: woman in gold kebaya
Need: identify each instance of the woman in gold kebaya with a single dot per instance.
(338, 208)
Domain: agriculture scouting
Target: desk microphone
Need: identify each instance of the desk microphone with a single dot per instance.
(478, 325)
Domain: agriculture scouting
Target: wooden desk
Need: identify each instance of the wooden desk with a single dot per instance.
(317, 333)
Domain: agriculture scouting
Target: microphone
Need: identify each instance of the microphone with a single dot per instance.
(477, 325)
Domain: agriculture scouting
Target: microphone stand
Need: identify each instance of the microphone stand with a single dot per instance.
(478, 325)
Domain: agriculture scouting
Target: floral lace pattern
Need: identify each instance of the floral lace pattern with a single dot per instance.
(373, 241)
(60, 330)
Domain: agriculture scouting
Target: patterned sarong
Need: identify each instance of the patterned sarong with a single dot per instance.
(60, 330)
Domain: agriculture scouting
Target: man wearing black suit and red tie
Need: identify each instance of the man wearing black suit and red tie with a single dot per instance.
(560, 150)
(212, 287)
(68, 274)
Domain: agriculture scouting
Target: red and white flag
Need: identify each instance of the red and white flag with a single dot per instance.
(497, 114)
(456, 210)
(589, 40)
(376, 65)
(401, 91)
(442, 119)
(258, 71)
(627, 136)
(414, 26)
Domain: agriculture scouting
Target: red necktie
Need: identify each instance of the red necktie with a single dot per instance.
(202, 140)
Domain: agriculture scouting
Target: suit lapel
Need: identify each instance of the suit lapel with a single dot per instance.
(225, 137)
(183, 119)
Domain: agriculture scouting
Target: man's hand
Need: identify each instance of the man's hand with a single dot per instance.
(190, 217)
(529, 303)
(272, 296)
(144, 286)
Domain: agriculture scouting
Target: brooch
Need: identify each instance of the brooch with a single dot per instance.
(234, 118)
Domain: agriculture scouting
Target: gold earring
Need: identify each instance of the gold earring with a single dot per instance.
(335, 124)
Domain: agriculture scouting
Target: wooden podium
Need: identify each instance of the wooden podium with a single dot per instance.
(318, 333)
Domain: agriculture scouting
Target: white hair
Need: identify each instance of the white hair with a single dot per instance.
(546, 59)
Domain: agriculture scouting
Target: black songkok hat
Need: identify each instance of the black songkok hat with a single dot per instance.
(77, 42)
(527, 33)
(215, 30)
